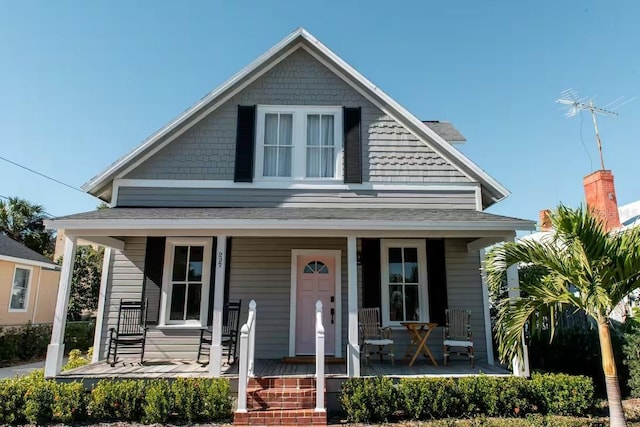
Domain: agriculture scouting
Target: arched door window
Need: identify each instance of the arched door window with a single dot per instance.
(316, 267)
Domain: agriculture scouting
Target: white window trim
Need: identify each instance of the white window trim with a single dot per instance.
(26, 298)
(299, 139)
(423, 290)
(169, 252)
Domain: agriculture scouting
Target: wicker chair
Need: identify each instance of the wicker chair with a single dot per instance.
(374, 338)
(457, 333)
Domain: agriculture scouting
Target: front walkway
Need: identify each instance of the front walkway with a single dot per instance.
(272, 368)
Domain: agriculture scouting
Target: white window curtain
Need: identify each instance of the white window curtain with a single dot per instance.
(278, 144)
(320, 146)
(20, 289)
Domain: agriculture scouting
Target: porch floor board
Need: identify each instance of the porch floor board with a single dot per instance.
(165, 368)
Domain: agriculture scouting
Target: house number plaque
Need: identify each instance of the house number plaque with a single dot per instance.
(220, 258)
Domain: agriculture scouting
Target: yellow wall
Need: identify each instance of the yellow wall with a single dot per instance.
(42, 300)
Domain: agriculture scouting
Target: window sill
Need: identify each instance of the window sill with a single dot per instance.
(177, 327)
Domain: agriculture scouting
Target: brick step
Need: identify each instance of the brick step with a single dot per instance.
(275, 383)
(281, 398)
(281, 417)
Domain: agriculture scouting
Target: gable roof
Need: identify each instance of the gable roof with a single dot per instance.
(492, 191)
(13, 251)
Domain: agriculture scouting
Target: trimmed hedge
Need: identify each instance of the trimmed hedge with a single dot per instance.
(377, 399)
(29, 342)
(33, 399)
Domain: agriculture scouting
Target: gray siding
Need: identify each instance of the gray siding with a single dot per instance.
(252, 197)
(207, 150)
(261, 270)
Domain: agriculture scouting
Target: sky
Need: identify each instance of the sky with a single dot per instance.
(83, 83)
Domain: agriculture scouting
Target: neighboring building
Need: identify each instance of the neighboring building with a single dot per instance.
(295, 181)
(28, 285)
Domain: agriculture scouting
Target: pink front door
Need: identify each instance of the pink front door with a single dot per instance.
(316, 280)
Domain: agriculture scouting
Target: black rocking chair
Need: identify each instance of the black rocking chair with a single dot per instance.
(231, 321)
(130, 335)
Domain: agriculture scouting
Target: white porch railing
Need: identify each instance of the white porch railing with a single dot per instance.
(247, 348)
(319, 359)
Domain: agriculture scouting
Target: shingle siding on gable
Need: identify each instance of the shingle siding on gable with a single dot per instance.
(207, 151)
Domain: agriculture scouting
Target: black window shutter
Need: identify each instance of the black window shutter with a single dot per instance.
(245, 143)
(153, 267)
(370, 260)
(351, 118)
(437, 277)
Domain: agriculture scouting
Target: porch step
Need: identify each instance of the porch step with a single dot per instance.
(281, 417)
(281, 401)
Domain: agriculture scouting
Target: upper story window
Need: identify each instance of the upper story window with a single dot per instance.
(298, 142)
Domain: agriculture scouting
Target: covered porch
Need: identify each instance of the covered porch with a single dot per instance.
(262, 254)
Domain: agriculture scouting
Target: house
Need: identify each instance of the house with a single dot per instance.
(296, 165)
(28, 285)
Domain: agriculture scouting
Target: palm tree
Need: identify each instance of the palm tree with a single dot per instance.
(583, 267)
(21, 220)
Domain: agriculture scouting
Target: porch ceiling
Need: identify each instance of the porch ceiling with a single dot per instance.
(347, 219)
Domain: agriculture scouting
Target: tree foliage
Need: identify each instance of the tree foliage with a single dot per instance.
(581, 266)
(85, 286)
(22, 221)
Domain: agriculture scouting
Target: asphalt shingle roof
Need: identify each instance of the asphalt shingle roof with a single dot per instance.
(393, 215)
(9, 247)
(446, 130)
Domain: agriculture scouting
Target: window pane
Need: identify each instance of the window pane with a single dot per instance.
(195, 263)
(412, 302)
(270, 164)
(177, 301)
(286, 129)
(284, 161)
(395, 265)
(180, 263)
(313, 162)
(327, 163)
(410, 265)
(193, 301)
(313, 129)
(323, 269)
(19, 289)
(327, 130)
(270, 129)
(395, 303)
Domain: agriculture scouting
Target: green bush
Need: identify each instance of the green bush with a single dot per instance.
(375, 399)
(69, 403)
(77, 359)
(561, 394)
(117, 400)
(429, 398)
(38, 398)
(189, 399)
(158, 402)
(368, 399)
(632, 353)
(79, 335)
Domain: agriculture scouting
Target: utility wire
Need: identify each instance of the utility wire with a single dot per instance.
(57, 181)
(583, 144)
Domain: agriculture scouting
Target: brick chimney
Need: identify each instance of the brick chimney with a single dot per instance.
(600, 193)
(545, 220)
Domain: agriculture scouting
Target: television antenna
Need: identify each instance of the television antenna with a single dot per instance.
(575, 105)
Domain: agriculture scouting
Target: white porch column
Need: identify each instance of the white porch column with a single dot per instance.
(353, 348)
(55, 351)
(513, 285)
(102, 297)
(488, 332)
(215, 354)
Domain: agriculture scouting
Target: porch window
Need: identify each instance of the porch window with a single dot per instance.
(185, 290)
(404, 290)
(20, 289)
(298, 143)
